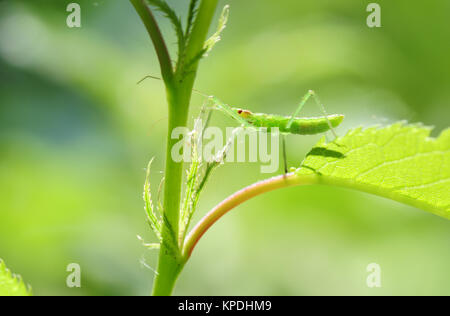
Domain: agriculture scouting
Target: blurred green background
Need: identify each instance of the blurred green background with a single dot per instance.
(76, 133)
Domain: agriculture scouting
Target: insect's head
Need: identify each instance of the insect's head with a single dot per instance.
(244, 113)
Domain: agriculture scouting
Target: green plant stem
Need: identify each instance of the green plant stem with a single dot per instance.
(283, 181)
(170, 265)
(158, 41)
(179, 90)
(200, 29)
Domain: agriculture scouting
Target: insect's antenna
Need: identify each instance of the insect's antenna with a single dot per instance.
(201, 93)
(158, 78)
(156, 122)
(145, 265)
(148, 77)
(299, 108)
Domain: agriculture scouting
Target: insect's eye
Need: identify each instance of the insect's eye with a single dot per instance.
(243, 113)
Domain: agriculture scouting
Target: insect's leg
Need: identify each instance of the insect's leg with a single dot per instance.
(308, 95)
(300, 107)
(208, 119)
(160, 79)
(284, 154)
(205, 109)
(322, 109)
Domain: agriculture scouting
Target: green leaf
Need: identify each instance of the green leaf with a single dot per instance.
(170, 14)
(193, 8)
(210, 42)
(401, 162)
(216, 37)
(152, 218)
(10, 284)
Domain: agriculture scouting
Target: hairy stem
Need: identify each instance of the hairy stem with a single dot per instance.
(170, 265)
(179, 90)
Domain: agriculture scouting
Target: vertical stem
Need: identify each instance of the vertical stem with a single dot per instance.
(153, 30)
(171, 261)
(170, 265)
(179, 90)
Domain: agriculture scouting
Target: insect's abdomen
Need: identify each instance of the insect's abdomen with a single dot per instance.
(300, 126)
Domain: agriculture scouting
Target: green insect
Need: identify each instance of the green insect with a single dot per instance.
(285, 124)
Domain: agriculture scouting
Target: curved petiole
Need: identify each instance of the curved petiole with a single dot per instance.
(278, 182)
